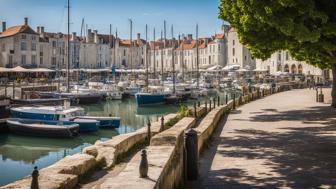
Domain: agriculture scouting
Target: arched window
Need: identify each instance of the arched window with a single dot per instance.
(300, 69)
(286, 68)
(293, 69)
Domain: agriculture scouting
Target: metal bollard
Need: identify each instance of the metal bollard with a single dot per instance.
(263, 92)
(234, 101)
(199, 104)
(162, 124)
(143, 168)
(214, 102)
(195, 110)
(218, 101)
(206, 106)
(317, 96)
(35, 175)
(226, 98)
(321, 96)
(191, 154)
(14, 89)
(148, 131)
(210, 105)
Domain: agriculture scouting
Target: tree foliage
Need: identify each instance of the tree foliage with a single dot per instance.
(306, 28)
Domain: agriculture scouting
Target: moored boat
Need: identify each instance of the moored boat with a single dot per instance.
(56, 113)
(43, 128)
(104, 122)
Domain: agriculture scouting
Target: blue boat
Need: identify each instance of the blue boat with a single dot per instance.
(104, 122)
(155, 95)
(56, 113)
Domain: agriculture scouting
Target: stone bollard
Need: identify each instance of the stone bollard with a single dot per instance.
(148, 131)
(206, 106)
(218, 101)
(191, 154)
(210, 105)
(226, 98)
(162, 124)
(258, 91)
(317, 95)
(35, 175)
(195, 110)
(234, 101)
(263, 93)
(143, 168)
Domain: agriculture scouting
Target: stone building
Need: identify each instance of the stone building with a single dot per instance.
(238, 54)
(281, 61)
(19, 46)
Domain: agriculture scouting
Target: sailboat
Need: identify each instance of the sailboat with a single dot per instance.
(151, 95)
(65, 113)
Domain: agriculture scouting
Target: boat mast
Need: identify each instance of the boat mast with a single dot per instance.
(161, 52)
(131, 45)
(68, 66)
(197, 57)
(154, 54)
(173, 62)
(146, 56)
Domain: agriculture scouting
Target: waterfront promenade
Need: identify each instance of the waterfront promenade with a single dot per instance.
(285, 140)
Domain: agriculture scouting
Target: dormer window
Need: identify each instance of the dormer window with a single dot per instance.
(23, 36)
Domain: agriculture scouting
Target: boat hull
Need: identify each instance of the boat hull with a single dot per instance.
(143, 99)
(84, 126)
(42, 128)
(105, 122)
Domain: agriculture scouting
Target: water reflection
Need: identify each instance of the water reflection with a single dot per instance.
(19, 154)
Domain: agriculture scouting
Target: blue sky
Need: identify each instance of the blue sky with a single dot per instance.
(98, 14)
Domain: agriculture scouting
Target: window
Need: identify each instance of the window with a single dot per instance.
(218, 47)
(233, 42)
(23, 46)
(23, 37)
(33, 46)
(279, 56)
(33, 59)
(245, 57)
(10, 60)
(3, 47)
(23, 59)
(41, 60)
(33, 38)
(53, 61)
(233, 52)
(54, 44)
(287, 57)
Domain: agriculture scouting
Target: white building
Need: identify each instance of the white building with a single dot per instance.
(281, 61)
(238, 54)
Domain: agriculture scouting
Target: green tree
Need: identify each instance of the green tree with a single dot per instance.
(306, 28)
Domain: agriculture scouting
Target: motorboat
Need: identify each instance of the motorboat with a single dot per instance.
(43, 128)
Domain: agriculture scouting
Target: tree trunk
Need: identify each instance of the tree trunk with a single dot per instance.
(333, 91)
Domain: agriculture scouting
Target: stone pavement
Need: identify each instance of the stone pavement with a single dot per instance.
(286, 140)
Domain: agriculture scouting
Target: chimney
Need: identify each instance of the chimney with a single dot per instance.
(42, 29)
(189, 37)
(138, 36)
(4, 26)
(88, 36)
(26, 21)
(95, 36)
(206, 41)
(38, 29)
(73, 36)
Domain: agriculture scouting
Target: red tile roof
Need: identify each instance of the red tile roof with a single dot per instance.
(18, 29)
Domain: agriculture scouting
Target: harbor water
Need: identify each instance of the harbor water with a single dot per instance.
(19, 154)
